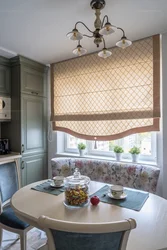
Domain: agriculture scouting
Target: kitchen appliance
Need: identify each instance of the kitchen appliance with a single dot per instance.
(4, 146)
(5, 108)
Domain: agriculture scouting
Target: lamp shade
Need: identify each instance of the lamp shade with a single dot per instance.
(79, 51)
(105, 53)
(75, 35)
(123, 43)
(107, 29)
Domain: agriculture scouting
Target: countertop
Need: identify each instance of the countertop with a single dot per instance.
(11, 156)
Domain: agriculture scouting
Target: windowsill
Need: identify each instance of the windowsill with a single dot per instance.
(86, 156)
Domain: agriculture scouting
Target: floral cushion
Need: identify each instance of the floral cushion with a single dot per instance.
(127, 174)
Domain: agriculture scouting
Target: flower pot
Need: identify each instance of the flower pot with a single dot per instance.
(118, 156)
(81, 152)
(135, 157)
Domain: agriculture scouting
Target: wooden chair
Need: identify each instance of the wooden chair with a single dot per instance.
(9, 184)
(86, 236)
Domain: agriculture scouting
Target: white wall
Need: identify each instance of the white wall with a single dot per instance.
(163, 133)
(53, 137)
(51, 151)
(50, 135)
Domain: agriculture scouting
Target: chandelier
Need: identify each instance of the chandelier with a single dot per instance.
(102, 28)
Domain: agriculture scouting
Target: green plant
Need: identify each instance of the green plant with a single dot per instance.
(134, 150)
(81, 145)
(118, 149)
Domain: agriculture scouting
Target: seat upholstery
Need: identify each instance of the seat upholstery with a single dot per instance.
(77, 241)
(131, 175)
(66, 235)
(9, 184)
(8, 180)
(8, 218)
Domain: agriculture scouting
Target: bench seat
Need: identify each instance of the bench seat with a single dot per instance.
(131, 175)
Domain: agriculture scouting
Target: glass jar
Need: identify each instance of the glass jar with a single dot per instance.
(76, 190)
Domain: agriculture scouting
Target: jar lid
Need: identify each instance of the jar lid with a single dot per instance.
(77, 178)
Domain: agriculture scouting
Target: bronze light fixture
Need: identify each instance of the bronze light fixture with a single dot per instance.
(102, 28)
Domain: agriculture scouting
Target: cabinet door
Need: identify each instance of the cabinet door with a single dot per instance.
(34, 122)
(33, 168)
(4, 80)
(33, 81)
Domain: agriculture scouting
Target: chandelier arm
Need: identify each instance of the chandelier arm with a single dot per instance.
(83, 25)
(104, 43)
(104, 20)
(87, 36)
(121, 30)
(114, 26)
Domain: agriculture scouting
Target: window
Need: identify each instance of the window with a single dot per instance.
(108, 99)
(145, 141)
(115, 100)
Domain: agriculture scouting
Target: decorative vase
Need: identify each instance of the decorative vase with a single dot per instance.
(118, 156)
(135, 157)
(81, 152)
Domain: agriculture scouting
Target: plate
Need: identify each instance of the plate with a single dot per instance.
(123, 196)
(56, 186)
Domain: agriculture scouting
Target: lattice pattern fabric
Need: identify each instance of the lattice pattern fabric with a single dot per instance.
(92, 127)
(108, 99)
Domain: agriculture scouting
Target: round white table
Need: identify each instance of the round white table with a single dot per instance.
(151, 231)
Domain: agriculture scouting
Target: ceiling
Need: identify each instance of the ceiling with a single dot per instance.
(37, 28)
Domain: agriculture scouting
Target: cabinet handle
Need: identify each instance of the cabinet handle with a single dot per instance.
(34, 93)
(22, 148)
(22, 165)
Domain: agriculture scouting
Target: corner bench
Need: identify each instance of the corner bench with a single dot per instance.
(131, 175)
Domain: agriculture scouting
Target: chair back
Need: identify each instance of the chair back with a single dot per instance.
(8, 180)
(86, 236)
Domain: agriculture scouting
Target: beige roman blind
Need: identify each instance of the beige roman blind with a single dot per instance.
(106, 99)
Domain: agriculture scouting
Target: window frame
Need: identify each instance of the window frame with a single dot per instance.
(90, 151)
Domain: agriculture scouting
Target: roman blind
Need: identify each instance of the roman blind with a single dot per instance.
(99, 99)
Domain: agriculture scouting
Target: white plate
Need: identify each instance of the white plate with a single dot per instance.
(123, 196)
(56, 186)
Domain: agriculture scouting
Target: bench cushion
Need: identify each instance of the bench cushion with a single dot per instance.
(127, 174)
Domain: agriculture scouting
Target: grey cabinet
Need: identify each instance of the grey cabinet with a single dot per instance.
(27, 130)
(33, 169)
(32, 81)
(5, 77)
(33, 124)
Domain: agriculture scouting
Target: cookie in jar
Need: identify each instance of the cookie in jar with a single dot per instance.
(76, 190)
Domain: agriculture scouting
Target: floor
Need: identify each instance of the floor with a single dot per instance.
(35, 239)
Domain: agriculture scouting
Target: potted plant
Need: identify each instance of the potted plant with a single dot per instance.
(118, 152)
(81, 148)
(135, 151)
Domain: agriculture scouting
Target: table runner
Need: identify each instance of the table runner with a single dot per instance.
(46, 188)
(135, 198)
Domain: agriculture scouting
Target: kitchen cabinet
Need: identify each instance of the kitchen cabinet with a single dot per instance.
(27, 130)
(32, 81)
(5, 77)
(33, 168)
(33, 124)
